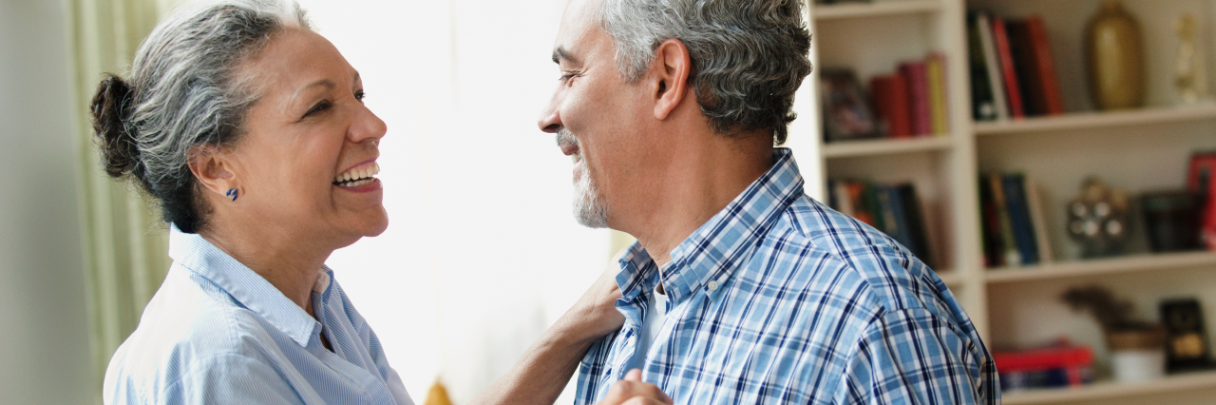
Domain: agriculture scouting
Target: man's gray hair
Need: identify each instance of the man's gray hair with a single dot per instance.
(185, 89)
(748, 56)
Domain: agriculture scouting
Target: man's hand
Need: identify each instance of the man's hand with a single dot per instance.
(632, 391)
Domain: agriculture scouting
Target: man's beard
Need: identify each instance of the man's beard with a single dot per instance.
(590, 210)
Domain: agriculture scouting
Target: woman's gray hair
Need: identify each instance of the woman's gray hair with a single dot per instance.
(748, 56)
(184, 90)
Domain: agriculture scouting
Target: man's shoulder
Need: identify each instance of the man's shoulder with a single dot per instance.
(826, 245)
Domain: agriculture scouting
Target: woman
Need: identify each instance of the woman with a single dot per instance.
(251, 132)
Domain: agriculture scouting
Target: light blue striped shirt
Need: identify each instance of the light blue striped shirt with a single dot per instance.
(777, 299)
(218, 333)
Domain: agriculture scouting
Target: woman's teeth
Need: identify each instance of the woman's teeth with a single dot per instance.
(358, 176)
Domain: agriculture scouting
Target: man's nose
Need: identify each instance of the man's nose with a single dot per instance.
(550, 119)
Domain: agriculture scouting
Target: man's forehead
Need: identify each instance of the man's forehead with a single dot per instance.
(578, 29)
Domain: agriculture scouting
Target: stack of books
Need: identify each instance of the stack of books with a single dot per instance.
(1012, 214)
(912, 100)
(893, 209)
(1012, 71)
(1061, 365)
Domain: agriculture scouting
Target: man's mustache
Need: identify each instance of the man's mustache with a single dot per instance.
(565, 138)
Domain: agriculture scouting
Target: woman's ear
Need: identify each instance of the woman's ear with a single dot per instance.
(214, 169)
(669, 74)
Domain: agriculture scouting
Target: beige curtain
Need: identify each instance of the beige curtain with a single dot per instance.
(125, 242)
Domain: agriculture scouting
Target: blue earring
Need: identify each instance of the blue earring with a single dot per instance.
(232, 193)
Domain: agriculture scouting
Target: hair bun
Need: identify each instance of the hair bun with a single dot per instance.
(111, 107)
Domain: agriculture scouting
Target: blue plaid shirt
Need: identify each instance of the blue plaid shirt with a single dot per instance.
(778, 299)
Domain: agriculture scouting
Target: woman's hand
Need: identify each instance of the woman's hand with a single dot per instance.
(632, 391)
(595, 312)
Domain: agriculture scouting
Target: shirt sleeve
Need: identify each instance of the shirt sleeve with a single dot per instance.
(914, 357)
(231, 379)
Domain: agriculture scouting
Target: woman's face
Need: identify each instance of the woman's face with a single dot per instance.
(309, 153)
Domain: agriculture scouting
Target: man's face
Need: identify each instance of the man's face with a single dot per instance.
(596, 116)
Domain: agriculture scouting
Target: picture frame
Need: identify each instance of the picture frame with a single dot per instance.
(847, 111)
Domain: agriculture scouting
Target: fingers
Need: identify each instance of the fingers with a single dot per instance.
(632, 390)
(645, 401)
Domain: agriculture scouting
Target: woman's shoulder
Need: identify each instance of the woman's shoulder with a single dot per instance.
(188, 324)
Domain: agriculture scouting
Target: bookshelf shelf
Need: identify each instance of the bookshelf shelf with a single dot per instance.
(1128, 264)
(1111, 390)
(1091, 120)
(878, 8)
(886, 146)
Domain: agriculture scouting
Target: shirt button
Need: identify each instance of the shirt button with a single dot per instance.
(713, 285)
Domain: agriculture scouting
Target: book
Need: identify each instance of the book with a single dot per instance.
(914, 224)
(1035, 204)
(1012, 256)
(1045, 64)
(918, 96)
(994, 244)
(1019, 218)
(890, 95)
(1020, 47)
(983, 107)
(1000, 36)
(935, 74)
(1201, 181)
(993, 66)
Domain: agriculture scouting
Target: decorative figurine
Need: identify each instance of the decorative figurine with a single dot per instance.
(1189, 79)
(1098, 218)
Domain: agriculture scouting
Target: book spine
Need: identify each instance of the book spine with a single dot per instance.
(918, 97)
(1037, 220)
(935, 71)
(890, 95)
(982, 107)
(1001, 38)
(914, 223)
(1012, 256)
(1046, 66)
(1019, 218)
(994, 246)
(1026, 67)
(993, 67)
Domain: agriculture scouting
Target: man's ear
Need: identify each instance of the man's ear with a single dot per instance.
(213, 168)
(669, 76)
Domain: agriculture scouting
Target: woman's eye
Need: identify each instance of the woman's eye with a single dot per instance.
(318, 108)
(359, 95)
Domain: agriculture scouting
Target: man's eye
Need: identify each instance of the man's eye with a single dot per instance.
(318, 108)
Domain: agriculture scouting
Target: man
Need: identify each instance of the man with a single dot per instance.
(741, 289)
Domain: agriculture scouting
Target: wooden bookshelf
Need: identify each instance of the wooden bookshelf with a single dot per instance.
(1100, 267)
(878, 8)
(887, 146)
(1097, 120)
(1111, 390)
(1139, 150)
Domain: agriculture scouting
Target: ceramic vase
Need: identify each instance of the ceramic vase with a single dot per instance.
(1114, 58)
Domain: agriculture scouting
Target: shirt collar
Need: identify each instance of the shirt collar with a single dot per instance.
(199, 256)
(720, 244)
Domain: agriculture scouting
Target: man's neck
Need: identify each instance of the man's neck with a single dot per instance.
(699, 181)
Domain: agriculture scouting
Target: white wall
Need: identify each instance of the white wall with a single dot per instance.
(44, 354)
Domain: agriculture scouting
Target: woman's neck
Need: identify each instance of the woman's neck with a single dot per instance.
(287, 263)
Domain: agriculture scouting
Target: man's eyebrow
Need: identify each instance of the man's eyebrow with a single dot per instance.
(560, 54)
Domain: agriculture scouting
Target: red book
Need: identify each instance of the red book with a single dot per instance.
(890, 95)
(918, 96)
(1045, 65)
(1001, 36)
